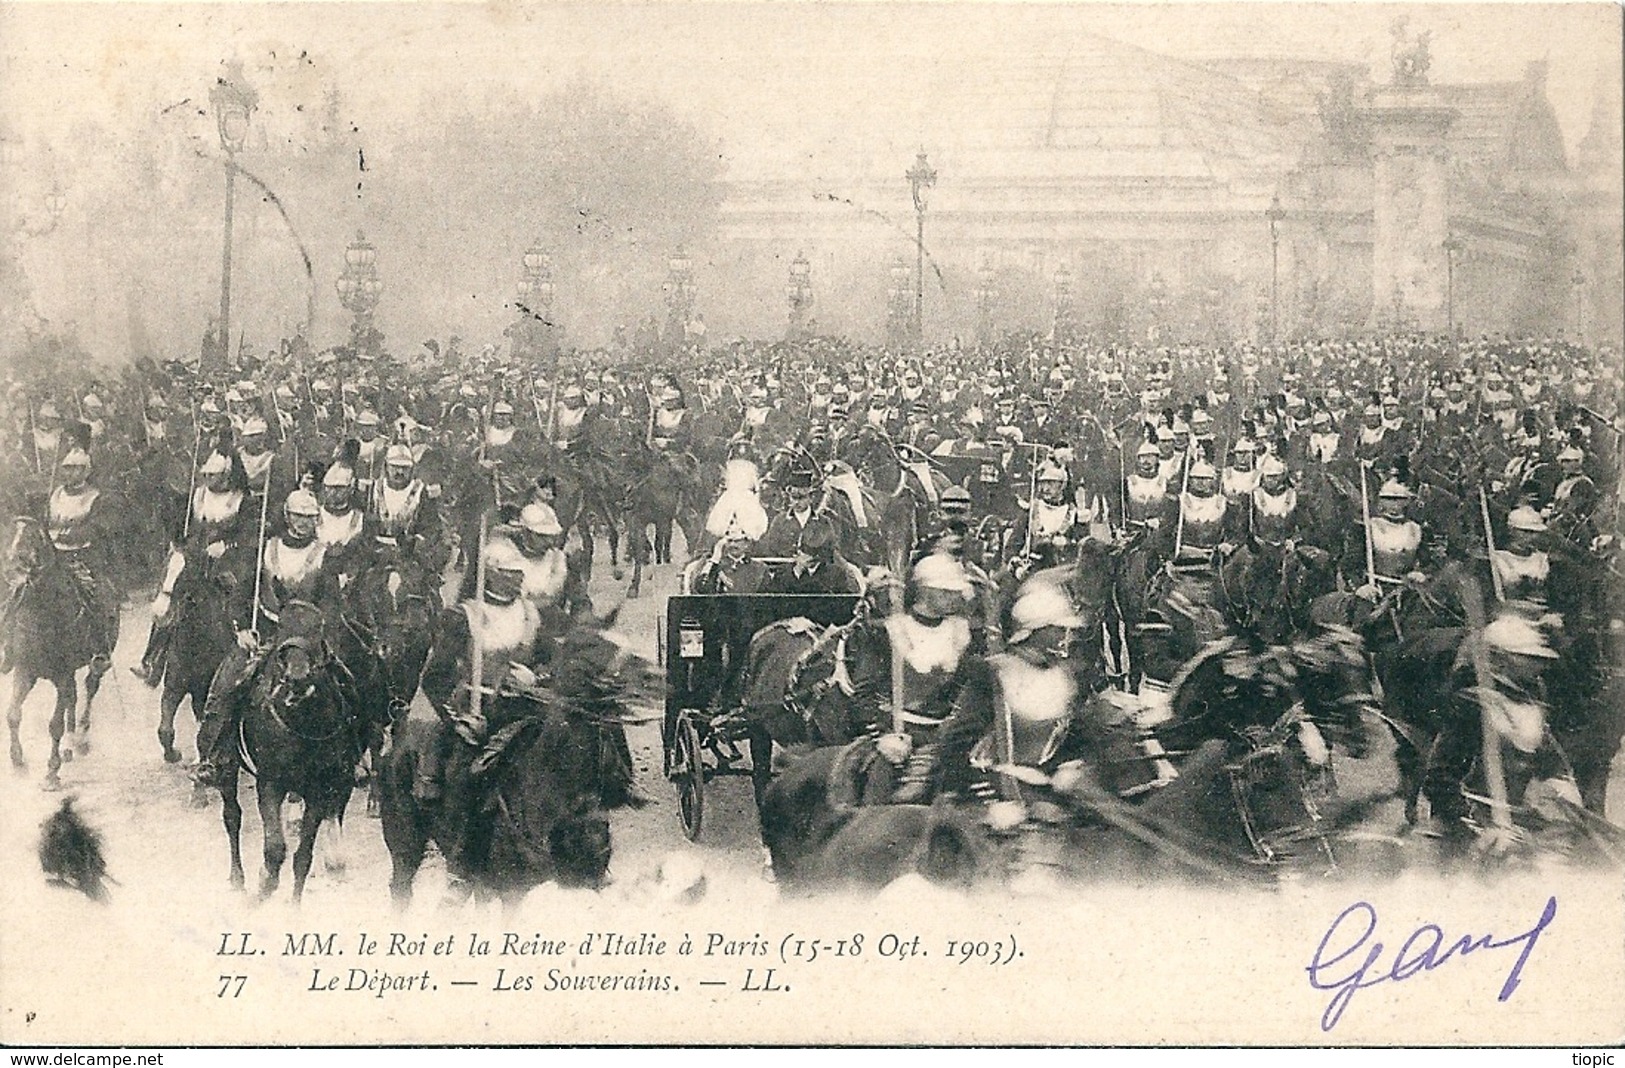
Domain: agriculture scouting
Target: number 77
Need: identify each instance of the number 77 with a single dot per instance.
(228, 981)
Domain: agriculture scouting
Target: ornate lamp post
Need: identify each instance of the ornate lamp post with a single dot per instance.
(799, 295)
(359, 289)
(679, 290)
(984, 304)
(1275, 214)
(1063, 304)
(1451, 247)
(897, 306)
(921, 177)
(234, 102)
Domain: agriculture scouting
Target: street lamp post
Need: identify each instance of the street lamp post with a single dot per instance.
(1157, 301)
(1275, 214)
(359, 288)
(1451, 247)
(1579, 281)
(679, 287)
(1063, 303)
(798, 293)
(984, 304)
(897, 306)
(921, 177)
(233, 103)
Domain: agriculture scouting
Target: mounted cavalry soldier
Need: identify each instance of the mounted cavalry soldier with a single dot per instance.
(1204, 522)
(78, 521)
(1575, 499)
(1273, 505)
(1522, 566)
(925, 649)
(1395, 540)
(1052, 527)
(1026, 706)
(400, 510)
(219, 520)
(554, 580)
(1146, 491)
(341, 520)
(297, 571)
(1240, 477)
(485, 646)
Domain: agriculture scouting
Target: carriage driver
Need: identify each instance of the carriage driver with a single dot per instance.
(503, 630)
(296, 566)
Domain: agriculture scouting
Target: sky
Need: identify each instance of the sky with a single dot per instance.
(749, 72)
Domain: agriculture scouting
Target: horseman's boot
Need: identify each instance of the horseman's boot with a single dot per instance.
(219, 716)
(914, 786)
(428, 782)
(151, 668)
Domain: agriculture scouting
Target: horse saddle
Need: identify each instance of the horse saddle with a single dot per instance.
(511, 739)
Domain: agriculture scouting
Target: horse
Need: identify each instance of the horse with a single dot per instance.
(296, 735)
(820, 839)
(906, 499)
(201, 636)
(659, 495)
(390, 608)
(529, 807)
(585, 503)
(51, 635)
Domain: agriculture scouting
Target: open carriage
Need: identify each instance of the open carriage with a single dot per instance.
(703, 648)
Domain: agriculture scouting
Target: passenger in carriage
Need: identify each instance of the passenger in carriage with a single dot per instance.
(819, 567)
(731, 568)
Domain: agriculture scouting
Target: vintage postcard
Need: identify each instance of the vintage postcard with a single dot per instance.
(816, 524)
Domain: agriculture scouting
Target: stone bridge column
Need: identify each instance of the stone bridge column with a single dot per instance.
(1411, 210)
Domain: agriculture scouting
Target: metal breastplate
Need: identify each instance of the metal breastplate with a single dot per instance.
(1146, 497)
(396, 509)
(1394, 546)
(1273, 514)
(1202, 521)
(1239, 483)
(502, 633)
(1037, 706)
(294, 572)
(338, 530)
(1523, 577)
(67, 518)
(214, 513)
(544, 577)
(1051, 521)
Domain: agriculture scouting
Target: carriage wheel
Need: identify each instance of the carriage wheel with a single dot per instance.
(688, 771)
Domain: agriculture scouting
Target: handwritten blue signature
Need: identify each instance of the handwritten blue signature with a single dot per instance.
(1424, 950)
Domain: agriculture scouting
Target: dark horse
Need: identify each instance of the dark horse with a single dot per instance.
(296, 736)
(1249, 789)
(50, 636)
(661, 495)
(200, 637)
(528, 808)
(390, 611)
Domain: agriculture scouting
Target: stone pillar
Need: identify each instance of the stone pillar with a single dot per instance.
(1411, 210)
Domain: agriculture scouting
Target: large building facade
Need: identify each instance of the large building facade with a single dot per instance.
(1168, 199)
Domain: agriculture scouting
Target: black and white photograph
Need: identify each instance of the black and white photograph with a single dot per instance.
(813, 524)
